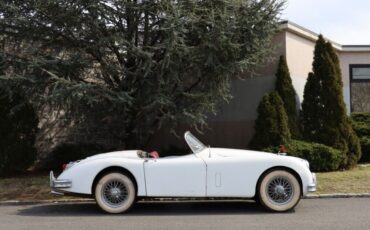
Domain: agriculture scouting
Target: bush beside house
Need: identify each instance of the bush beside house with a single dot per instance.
(322, 158)
(361, 125)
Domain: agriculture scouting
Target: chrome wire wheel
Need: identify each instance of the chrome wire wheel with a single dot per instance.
(279, 191)
(115, 193)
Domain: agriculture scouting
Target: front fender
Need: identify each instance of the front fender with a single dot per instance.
(82, 174)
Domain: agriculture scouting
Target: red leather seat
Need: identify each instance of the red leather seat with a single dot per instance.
(154, 154)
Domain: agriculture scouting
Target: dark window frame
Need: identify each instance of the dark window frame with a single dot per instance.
(351, 66)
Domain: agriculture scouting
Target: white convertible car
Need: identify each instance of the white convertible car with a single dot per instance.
(117, 179)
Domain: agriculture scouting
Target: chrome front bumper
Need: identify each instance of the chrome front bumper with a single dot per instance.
(312, 187)
(56, 184)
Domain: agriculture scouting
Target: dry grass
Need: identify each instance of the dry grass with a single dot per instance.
(353, 181)
(24, 188)
(36, 187)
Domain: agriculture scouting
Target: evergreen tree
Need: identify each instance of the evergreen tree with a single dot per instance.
(324, 106)
(312, 105)
(311, 109)
(287, 93)
(271, 126)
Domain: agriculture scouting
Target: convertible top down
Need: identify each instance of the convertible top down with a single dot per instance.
(116, 179)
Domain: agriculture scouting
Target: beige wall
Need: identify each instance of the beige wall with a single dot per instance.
(346, 59)
(299, 55)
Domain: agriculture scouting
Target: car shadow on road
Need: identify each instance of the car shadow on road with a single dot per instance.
(149, 209)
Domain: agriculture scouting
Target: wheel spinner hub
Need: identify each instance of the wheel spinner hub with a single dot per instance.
(116, 192)
(279, 190)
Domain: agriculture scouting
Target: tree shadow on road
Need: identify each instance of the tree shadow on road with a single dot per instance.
(149, 209)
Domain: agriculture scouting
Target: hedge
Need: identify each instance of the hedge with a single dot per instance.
(365, 147)
(361, 125)
(322, 158)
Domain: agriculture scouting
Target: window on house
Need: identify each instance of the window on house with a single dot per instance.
(361, 73)
(360, 88)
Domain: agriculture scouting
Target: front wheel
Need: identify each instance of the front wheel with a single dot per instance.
(115, 193)
(279, 191)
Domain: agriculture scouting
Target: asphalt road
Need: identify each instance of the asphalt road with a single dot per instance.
(345, 213)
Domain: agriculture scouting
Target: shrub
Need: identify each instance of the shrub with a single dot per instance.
(64, 153)
(18, 127)
(361, 117)
(361, 125)
(365, 147)
(322, 158)
(271, 127)
(362, 128)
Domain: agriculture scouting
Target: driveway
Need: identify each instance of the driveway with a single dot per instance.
(345, 213)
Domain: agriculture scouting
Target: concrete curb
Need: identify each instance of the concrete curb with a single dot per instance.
(311, 196)
(338, 195)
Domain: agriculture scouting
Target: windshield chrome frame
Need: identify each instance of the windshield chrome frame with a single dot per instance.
(195, 145)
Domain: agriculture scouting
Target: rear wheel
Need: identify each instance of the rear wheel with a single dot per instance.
(279, 191)
(115, 193)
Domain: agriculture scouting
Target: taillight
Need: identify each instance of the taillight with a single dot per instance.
(64, 166)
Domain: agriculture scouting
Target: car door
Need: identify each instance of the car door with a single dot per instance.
(183, 176)
(230, 177)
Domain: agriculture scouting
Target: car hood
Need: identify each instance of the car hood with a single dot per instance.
(224, 152)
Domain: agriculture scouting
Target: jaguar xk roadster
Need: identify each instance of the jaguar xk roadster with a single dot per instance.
(117, 179)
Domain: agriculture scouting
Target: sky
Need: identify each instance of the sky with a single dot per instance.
(346, 22)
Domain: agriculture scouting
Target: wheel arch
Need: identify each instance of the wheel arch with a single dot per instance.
(292, 171)
(112, 169)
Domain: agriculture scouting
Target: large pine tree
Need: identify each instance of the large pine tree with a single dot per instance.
(287, 93)
(173, 60)
(324, 116)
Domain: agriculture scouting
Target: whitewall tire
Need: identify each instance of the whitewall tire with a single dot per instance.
(115, 193)
(279, 191)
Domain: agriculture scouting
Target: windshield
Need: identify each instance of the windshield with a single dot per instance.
(195, 145)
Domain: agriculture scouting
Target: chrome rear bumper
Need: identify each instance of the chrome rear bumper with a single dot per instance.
(312, 187)
(56, 184)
